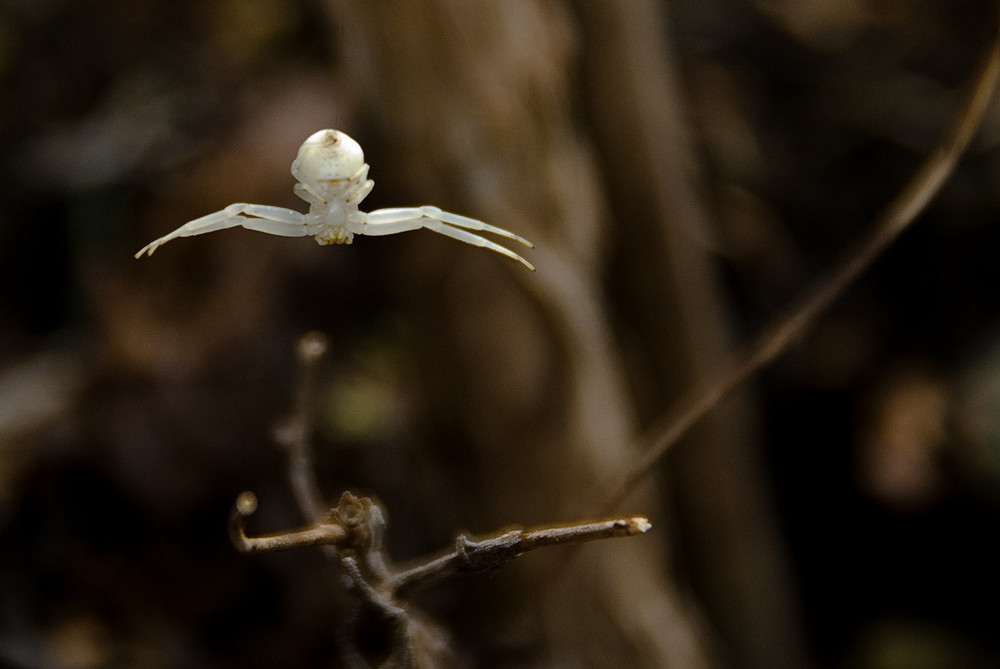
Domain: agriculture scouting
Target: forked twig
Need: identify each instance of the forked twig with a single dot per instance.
(352, 532)
(356, 524)
(897, 216)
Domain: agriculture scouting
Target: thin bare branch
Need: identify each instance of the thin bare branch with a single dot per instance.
(316, 535)
(356, 526)
(377, 600)
(471, 556)
(297, 431)
(899, 215)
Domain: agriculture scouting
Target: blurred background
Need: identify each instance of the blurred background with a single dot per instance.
(685, 168)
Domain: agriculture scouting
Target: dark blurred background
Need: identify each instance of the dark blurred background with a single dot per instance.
(686, 169)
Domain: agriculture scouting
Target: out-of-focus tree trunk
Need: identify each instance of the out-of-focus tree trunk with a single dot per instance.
(477, 100)
(675, 302)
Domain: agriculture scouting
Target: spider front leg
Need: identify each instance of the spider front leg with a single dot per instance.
(403, 219)
(261, 217)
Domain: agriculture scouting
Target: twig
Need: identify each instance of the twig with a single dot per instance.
(377, 600)
(471, 556)
(296, 433)
(357, 523)
(899, 215)
(316, 535)
(352, 533)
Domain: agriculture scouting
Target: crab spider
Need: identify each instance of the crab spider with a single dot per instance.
(333, 178)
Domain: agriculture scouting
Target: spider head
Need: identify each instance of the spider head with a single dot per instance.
(328, 156)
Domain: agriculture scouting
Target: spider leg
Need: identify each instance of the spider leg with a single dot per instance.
(475, 240)
(471, 224)
(391, 221)
(261, 217)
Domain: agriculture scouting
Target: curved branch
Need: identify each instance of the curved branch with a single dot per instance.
(317, 535)
(897, 216)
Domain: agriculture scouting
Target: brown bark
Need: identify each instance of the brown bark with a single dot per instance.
(477, 101)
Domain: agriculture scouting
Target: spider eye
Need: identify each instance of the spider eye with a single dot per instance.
(329, 155)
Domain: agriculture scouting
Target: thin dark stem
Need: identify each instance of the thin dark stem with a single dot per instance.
(899, 215)
(355, 525)
(471, 556)
(373, 597)
(297, 433)
(316, 535)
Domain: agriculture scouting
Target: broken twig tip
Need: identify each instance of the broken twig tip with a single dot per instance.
(246, 504)
(312, 346)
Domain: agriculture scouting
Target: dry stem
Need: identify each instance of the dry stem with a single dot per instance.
(316, 535)
(296, 433)
(471, 556)
(353, 522)
(352, 532)
(897, 216)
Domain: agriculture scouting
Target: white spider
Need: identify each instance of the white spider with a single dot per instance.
(333, 179)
